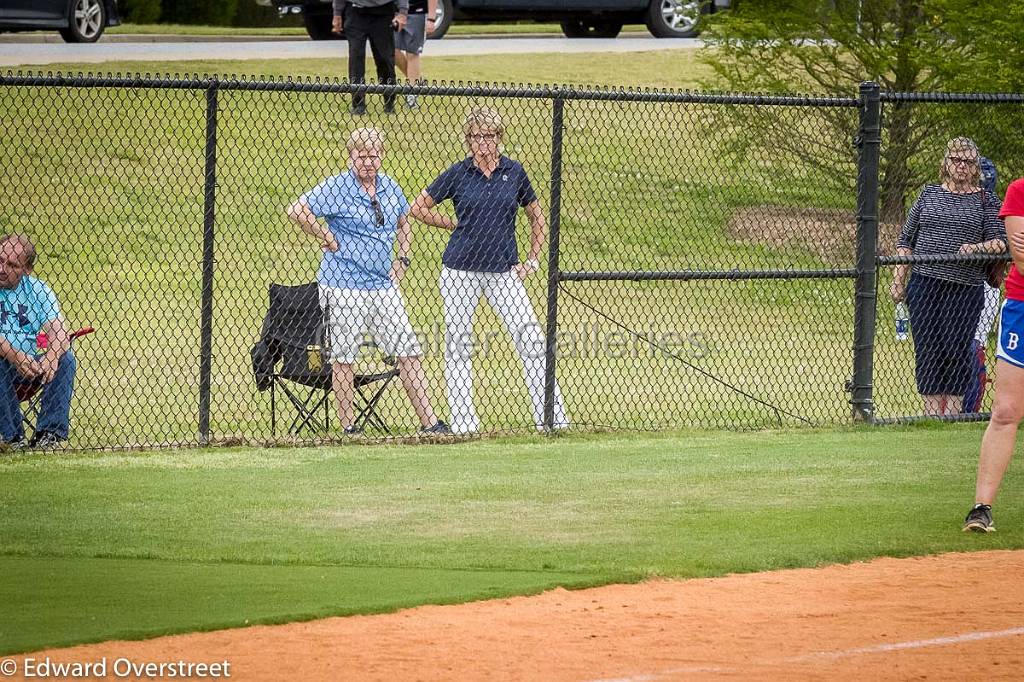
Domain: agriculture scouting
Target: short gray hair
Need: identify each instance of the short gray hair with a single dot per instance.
(362, 139)
(28, 249)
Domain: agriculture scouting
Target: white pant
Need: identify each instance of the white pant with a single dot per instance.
(379, 312)
(461, 291)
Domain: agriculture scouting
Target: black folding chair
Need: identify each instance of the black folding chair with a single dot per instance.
(292, 356)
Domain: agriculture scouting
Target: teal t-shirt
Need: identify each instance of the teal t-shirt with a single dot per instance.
(24, 310)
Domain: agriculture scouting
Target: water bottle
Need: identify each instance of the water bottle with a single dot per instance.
(902, 321)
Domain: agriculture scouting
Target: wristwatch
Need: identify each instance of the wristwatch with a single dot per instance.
(533, 264)
(404, 260)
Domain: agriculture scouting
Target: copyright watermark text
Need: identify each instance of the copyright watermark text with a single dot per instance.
(125, 668)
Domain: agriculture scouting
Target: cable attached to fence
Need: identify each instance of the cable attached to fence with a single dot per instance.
(778, 410)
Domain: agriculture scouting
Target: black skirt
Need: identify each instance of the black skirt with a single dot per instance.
(943, 318)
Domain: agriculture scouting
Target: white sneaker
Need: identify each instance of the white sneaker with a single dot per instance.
(410, 101)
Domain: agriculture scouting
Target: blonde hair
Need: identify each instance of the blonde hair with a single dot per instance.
(962, 144)
(363, 139)
(483, 118)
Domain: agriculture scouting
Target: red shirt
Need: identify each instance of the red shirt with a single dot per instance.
(1013, 205)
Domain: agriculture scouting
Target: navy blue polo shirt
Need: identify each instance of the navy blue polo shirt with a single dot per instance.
(484, 240)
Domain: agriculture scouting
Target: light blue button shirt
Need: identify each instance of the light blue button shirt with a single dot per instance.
(364, 256)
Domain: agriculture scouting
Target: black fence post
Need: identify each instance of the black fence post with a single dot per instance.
(206, 305)
(554, 234)
(869, 142)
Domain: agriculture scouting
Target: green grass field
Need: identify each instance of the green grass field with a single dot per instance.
(105, 545)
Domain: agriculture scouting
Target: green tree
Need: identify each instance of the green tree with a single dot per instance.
(206, 12)
(139, 11)
(829, 46)
(983, 29)
(248, 13)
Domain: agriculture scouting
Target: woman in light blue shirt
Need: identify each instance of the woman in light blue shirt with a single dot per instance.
(365, 212)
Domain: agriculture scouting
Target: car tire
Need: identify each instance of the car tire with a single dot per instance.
(318, 26)
(675, 18)
(591, 29)
(445, 14)
(87, 19)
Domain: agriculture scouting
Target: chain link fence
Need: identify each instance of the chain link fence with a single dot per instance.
(632, 260)
(941, 364)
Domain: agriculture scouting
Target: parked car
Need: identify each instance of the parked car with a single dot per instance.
(78, 21)
(579, 18)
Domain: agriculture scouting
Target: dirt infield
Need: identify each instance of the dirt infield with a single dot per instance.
(954, 616)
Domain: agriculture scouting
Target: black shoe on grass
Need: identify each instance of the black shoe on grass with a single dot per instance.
(12, 446)
(47, 441)
(440, 428)
(979, 519)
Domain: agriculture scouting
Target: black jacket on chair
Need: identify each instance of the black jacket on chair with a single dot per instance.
(293, 337)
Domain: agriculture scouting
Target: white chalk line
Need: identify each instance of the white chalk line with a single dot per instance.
(830, 655)
(916, 644)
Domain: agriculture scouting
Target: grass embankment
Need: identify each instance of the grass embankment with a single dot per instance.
(188, 30)
(110, 183)
(98, 546)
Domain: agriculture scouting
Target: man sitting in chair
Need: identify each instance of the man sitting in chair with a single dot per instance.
(27, 307)
(365, 211)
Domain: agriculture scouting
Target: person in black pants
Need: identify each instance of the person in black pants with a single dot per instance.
(376, 20)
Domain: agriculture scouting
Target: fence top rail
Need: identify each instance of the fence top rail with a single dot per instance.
(317, 85)
(695, 275)
(473, 89)
(944, 258)
(955, 97)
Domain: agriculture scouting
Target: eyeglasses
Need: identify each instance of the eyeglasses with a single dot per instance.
(962, 161)
(483, 137)
(378, 212)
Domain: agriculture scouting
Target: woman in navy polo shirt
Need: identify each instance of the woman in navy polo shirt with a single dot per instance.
(482, 259)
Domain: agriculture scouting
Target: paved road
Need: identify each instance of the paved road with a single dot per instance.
(14, 53)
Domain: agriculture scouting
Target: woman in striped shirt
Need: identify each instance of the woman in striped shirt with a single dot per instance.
(956, 217)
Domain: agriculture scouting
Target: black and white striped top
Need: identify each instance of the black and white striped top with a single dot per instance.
(940, 222)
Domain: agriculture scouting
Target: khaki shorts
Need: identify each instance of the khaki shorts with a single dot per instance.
(353, 313)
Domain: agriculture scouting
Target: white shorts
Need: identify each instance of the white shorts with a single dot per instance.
(352, 313)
